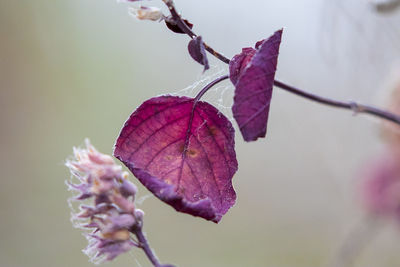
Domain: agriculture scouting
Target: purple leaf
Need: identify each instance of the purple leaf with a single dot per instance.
(239, 62)
(253, 73)
(198, 52)
(183, 152)
(171, 24)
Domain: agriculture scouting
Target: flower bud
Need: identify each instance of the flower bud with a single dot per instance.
(124, 204)
(147, 13)
(127, 188)
(115, 221)
(120, 235)
(139, 214)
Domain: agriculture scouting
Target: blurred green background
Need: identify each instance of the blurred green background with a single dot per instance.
(77, 68)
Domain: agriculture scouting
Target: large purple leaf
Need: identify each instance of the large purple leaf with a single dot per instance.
(253, 73)
(183, 152)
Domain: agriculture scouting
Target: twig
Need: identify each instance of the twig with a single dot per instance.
(356, 107)
(182, 25)
(144, 244)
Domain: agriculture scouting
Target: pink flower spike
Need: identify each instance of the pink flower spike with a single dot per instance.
(381, 186)
(112, 215)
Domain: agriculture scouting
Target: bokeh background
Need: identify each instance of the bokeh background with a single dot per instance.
(77, 68)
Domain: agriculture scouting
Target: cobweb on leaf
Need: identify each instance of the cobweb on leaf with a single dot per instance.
(220, 96)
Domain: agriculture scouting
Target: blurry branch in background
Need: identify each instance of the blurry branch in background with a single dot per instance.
(386, 6)
(355, 242)
(379, 190)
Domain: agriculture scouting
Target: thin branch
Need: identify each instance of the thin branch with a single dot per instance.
(144, 244)
(182, 25)
(356, 107)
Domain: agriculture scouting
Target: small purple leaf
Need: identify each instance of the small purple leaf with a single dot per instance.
(183, 152)
(198, 52)
(253, 72)
(239, 62)
(171, 24)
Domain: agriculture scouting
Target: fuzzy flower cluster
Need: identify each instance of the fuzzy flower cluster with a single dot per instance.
(107, 203)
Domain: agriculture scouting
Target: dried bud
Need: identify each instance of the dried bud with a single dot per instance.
(113, 214)
(147, 13)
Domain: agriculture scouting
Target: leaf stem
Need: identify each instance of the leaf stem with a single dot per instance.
(209, 86)
(356, 107)
(144, 244)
